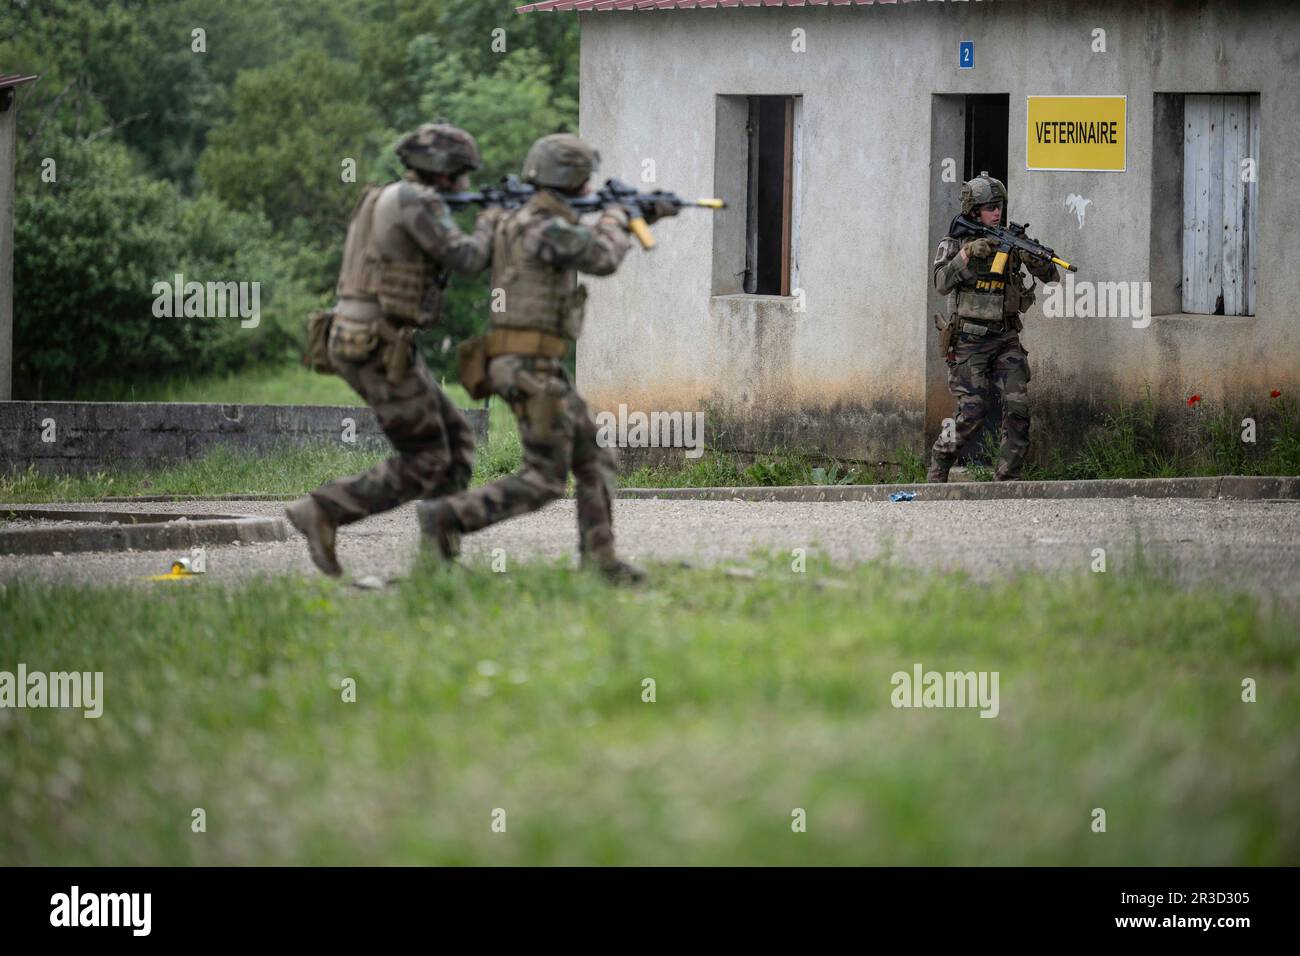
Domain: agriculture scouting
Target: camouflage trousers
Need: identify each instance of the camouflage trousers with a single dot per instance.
(976, 365)
(433, 441)
(558, 436)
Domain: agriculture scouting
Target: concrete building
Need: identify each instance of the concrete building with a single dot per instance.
(800, 318)
(9, 83)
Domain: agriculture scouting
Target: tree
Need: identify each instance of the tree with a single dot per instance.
(283, 151)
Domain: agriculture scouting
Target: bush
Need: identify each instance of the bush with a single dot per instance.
(89, 248)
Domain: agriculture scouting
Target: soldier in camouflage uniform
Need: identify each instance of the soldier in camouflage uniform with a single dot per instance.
(538, 251)
(984, 349)
(401, 242)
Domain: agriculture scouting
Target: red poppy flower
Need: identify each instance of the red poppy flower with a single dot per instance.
(1275, 394)
(1193, 400)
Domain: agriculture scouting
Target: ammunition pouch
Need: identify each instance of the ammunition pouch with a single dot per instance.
(352, 340)
(471, 364)
(985, 306)
(411, 293)
(317, 354)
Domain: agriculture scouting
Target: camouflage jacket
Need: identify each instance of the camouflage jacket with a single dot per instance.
(974, 294)
(538, 251)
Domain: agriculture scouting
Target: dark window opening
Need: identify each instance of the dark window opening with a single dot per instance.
(768, 211)
(987, 119)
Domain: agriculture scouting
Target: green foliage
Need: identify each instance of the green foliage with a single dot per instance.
(506, 109)
(260, 121)
(89, 248)
(465, 29)
(1136, 441)
(293, 126)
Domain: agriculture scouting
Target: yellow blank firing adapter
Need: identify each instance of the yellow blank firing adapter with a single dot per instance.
(642, 232)
(1064, 265)
(180, 569)
(711, 203)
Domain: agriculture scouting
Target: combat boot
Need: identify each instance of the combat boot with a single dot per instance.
(310, 518)
(439, 528)
(938, 473)
(613, 570)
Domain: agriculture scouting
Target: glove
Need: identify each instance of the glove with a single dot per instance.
(491, 215)
(980, 249)
(657, 210)
(616, 212)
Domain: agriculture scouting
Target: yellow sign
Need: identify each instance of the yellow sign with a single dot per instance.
(1077, 133)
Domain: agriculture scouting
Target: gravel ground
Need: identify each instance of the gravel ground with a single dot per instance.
(1252, 545)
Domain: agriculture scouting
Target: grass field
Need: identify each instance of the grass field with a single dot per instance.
(523, 692)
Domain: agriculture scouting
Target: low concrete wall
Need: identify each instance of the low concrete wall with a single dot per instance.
(70, 437)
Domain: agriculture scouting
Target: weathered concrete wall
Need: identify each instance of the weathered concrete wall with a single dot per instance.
(92, 435)
(851, 370)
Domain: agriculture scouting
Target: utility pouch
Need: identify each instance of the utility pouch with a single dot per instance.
(471, 364)
(353, 340)
(397, 350)
(571, 312)
(317, 354)
(947, 333)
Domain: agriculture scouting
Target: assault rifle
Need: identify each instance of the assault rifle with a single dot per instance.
(512, 194)
(1012, 237)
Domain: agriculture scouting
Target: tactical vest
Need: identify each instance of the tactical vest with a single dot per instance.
(535, 296)
(988, 297)
(410, 292)
(359, 275)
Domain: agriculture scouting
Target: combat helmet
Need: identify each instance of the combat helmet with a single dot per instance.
(561, 161)
(439, 148)
(981, 191)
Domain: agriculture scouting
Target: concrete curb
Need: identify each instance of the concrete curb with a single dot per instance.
(146, 499)
(136, 532)
(1232, 487)
(1229, 487)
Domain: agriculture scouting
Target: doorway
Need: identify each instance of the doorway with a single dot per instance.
(973, 130)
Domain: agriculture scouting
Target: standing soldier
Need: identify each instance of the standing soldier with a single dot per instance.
(983, 336)
(538, 251)
(401, 241)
